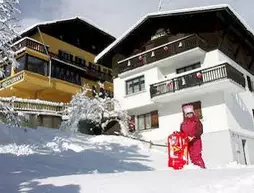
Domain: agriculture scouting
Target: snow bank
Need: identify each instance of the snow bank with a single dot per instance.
(48, 160)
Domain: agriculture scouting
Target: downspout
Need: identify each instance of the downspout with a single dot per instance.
(47, 53)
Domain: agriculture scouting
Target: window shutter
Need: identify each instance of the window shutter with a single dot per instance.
(132, 124)
(198, 109)
(154, 119)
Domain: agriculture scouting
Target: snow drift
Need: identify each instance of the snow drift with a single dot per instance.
(47, 160)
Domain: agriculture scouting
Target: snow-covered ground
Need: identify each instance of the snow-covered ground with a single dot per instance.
(46, 160)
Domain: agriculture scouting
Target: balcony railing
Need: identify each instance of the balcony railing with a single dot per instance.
(34, 106)
(30, 43)
(161, 52)
(224, 71)
(89, 71)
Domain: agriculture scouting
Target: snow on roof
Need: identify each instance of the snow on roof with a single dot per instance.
(171, 12)
(65, 19)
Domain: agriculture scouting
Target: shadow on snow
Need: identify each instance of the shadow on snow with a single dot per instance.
(18, 172)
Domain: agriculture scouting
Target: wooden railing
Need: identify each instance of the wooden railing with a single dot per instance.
(161, 52)
(30, 43)
(35, 106)
(223, 71)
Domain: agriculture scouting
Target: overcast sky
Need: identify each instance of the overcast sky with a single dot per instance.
(116, 16)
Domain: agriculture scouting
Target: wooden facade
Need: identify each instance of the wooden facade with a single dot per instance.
(214, 28)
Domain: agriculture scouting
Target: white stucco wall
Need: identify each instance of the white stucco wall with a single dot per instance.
(211, 59)
(213, 111)
(138, 99)
(239, 110)
(217, 148)
(170, 116)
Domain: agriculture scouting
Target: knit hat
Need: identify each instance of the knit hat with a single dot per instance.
(188, 109)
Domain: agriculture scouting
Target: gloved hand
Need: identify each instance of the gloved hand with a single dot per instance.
(190, 138)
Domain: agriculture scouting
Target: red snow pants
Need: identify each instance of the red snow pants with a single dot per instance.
(195, 152)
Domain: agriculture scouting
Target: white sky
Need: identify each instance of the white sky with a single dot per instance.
(116, 16)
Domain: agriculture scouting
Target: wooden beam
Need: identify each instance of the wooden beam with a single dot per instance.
(251, 63)
(239, 46)
(223, 35)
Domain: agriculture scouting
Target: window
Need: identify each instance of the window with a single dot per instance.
(188, 68)
(141, 122)
(65, 56)
(148, 121)
(6, 69)
(80, 61)
(37, 65)
(65, 72)
(197, 108)
(135, 85)
(22, 63)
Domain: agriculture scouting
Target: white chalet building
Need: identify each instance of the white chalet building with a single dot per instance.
(203, 56)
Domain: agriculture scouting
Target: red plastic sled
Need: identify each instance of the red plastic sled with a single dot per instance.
(177, 150)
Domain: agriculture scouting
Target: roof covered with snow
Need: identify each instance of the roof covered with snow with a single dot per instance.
(171, 13)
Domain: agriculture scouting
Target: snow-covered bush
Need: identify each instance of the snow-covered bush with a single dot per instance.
(8, 31)
(8, 116)
(90, 114)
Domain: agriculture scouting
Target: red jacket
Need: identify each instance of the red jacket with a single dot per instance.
(192, 127)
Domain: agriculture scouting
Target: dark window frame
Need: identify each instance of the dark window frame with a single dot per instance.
(65, 56)
(59, 71)
(45, 62)
(23, 66)
(153, 125)
(80, 61)
(140, 82)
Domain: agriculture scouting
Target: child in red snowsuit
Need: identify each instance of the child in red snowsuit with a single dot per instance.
(193, 128)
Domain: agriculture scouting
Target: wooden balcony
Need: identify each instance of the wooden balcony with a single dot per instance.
(95, 74)
(161, 52)
(31, 44)
(26, 84)
(34, 106)
(200, 78)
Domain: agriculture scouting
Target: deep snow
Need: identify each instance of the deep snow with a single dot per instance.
(46, 160)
